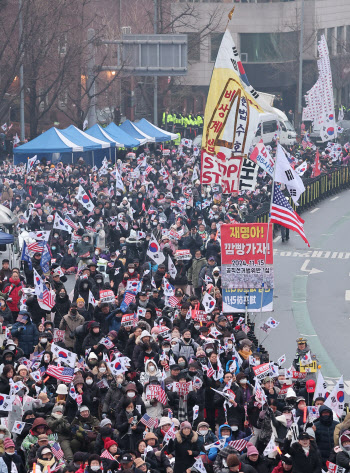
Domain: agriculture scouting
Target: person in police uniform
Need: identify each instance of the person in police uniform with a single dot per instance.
(302, 349)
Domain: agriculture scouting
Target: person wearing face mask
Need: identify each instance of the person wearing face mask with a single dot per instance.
(4, 435)
(253, 459)
(246, 389)
(113, 397)
(186, 347)
(205, 435)
(59, 424)
(281, 424)
(61, 307)
(44, 343)
(92, 338)
(130, 429)
(131, 393)
(224, 432)
(151, 371)
(146, 348)
(69, 323)
(84, 249)
(84, 429)
(94, 464)
(5, 313)
(91, 394)
(324, 432)
(10, 461)
(198, 263)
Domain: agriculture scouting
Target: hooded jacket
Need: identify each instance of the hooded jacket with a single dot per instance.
(214, 450)
(27, 334)
(32, 437)
(324, 433)
(183, 444)
(195, 269)
(85, 248)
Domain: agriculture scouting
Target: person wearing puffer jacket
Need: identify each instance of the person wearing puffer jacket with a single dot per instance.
(225, 432)
(205, 436)
(186, 346)
(324, 432)
(151, 370)
(343, 456)
(26, 333)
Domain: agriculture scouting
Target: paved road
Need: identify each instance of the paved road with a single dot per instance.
(312, 289)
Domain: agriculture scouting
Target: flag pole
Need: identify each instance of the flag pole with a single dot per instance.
(266, 243)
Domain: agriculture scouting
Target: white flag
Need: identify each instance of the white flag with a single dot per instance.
(18, 427)
(84, 199)
(195, 175)
(92, 300)
(85, 124)
(208, 303)
(38, 285)
(4, 127)
(271, 446)
(301, 169)
(60, 224)
(321, 386)
(7, 402)
(195, 412)
(171, 268)
(63, 356)
(335, 400)
(285, 174)
(306, 359)
(199, 466)
(16, 139)
(281, 360)
(141, 312)
(271, 322)
(218, 444)
(154, 251)
(118, 180)
(31, 162)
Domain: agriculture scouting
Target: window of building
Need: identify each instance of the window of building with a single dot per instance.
(215, 41)
(340, 39)
(348, 39)
(268, 47)
(330, 40)
(193, 46)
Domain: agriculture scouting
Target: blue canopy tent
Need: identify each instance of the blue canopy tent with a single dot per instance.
(49, 142)
(88, 142)
(6, 238)
(121, 136)
(98, 132)
(131, 129)
(157, 133)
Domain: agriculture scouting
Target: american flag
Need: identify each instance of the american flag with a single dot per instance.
(148, 421)
(70, 222)
(161, 396)
(241, 444)
(283, 214)
(107, 455)
(173, 301)
(148, 170)
(49, 298)
(57, 451)
(129, 298)
(210, 370)
(62, 373)
(306, 143)
(37, 246)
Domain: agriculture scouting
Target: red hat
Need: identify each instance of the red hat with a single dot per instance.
(108, 442)
(310, 386)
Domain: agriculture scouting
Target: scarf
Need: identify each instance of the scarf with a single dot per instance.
(244, 354)
(46, 463)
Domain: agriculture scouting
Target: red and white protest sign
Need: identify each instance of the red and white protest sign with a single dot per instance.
(183, 254)
(199, 315)
(129, 319)
(216, 169)
(58, 335)
(261, 371)
(107, 296)
(246, 242)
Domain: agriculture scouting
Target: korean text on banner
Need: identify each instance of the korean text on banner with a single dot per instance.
(230, 120)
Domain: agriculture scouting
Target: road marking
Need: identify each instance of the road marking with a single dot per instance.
(335, 198)
(276, 239)
(324, 254)
(314, 210)
(347, 295)
(310, 271)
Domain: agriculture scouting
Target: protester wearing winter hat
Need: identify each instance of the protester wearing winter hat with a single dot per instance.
(59, 424)
(186, 447)
(10, 460)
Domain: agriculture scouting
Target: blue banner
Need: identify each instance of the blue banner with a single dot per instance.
(234, 300)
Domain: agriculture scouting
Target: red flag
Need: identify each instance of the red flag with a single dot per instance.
(317, 168)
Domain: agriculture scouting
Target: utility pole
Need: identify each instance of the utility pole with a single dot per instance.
(90, 82)
(301, 47)
(21, 75)
(155, 90)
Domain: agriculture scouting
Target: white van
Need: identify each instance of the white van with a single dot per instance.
(275, 123)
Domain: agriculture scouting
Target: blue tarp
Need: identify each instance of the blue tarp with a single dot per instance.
(98, 132)
(89, 143)
(121, 136)
(157, 133)
(52, 141)
(131, 129)
(6, 238)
